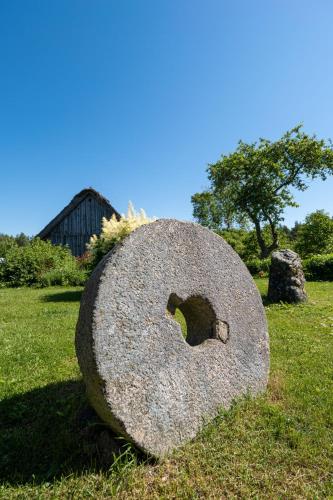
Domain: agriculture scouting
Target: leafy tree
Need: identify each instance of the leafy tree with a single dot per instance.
(254, 183)
(315, 236)
(22, 240)
(6, 243)
(245, 243)
(253, 248)
(294, 231)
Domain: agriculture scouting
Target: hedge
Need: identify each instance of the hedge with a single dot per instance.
(319, 267)
(41, 264)
(316, 267)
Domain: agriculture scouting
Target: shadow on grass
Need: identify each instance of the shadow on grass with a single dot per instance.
(66, 296)
(264, 297)
(265, 300)
(52, 431)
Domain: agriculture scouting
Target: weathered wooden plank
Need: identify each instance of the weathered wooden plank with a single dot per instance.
(77, 222)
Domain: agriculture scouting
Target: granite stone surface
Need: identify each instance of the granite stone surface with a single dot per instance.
(286, 278)
(142, 377)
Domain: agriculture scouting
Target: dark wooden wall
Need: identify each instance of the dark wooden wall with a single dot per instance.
(80, 224)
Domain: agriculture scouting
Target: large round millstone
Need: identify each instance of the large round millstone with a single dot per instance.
(143, 378)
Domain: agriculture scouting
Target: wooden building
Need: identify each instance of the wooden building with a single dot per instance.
(78, 221)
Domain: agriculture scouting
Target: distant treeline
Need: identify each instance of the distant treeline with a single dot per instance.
(26, 261)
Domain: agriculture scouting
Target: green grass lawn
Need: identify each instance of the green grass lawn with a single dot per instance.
(279, 445)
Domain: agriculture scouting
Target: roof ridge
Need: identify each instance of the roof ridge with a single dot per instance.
(76, 200)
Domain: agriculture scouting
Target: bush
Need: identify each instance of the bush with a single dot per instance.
(316, 268)
(319, 268)
(84, 261)
(63, 277)
(258, 267)
(28, 265)
(113, 231)
(6, 244)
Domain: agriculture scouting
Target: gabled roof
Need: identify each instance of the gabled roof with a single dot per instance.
(78, 198)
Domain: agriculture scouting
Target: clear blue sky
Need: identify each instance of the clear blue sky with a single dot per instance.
(135, 97)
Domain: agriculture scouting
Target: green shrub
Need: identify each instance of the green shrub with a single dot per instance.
(316, 268)
(6, 243)
(319, 268)
(84, 261)
(258, 266)
(63, 277)
(113, 231)
(28, 265)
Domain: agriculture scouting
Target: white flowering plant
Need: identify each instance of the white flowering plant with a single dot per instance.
(115, 230)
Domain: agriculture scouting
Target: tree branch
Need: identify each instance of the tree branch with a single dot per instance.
(289, 180)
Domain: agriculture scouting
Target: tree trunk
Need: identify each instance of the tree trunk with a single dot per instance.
(265, 250)
(261, 242)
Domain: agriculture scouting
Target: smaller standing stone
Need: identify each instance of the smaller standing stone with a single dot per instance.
(286, 278)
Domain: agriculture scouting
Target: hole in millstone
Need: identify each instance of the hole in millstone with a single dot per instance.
(197, 319)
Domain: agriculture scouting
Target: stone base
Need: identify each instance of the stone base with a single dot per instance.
(286, 278)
